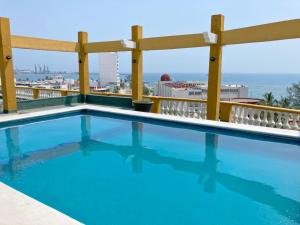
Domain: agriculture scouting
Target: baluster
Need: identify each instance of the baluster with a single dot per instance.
(205, 111)
(163, 107)
(246, 117)
(257, 119)
(278, 122)
(265, 119)
(240, 118)
(186, 113)
(294, 123)
(286, 124)
(180, 108)
(272, 120)
(194, 110)
(173, 108)
(170, 103)
(190, 112)
(235, 110)
(201, 110)
(251, 116)
(198, 110)
(167, 107)
(175, 112)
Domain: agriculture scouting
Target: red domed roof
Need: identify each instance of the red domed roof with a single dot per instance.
(165, 77)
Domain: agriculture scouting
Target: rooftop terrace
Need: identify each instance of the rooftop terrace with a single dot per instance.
(21, 103)
(211, 108)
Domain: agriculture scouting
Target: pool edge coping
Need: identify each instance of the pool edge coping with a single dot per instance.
(275, 132)
(19, 208)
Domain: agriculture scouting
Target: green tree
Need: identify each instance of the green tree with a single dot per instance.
(294, 95)
(116, 89)
(268, 99)
(146, 90)
(284, 102)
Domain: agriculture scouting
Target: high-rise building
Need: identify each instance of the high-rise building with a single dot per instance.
(44, 70)
(109, 69)
(35, 69)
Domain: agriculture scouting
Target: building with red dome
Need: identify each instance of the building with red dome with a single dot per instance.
(165, 77)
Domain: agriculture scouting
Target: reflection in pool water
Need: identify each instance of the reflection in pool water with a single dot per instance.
(140, 156)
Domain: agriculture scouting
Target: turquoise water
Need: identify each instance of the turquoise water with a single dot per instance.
(102, 170)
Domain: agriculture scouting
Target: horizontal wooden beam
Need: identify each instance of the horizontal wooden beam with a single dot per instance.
(106, 46)
(43, 44)
(267, 32)
(173, 42)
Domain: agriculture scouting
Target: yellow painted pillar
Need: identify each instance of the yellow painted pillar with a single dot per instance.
(64, 93)
(6, 68)
(137, 64)
(156, 105)
(215, 65)
(225, 111)
(83, 64)
(36, 93)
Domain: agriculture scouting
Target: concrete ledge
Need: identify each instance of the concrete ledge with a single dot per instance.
(19, 209)
(40, 103)
(274, 132)
(116, 101)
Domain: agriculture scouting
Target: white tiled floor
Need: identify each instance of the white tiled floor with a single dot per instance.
(19, 209)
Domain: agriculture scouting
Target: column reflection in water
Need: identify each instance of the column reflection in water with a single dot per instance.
(210, 161)
(85, 133)
(14, 151)
(137, 139)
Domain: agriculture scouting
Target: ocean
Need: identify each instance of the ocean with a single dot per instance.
(258, 84)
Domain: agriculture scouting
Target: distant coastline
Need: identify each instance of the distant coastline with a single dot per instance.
(258, 83)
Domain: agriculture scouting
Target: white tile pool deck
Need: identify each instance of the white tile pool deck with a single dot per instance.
(209, 123)
(17, 208)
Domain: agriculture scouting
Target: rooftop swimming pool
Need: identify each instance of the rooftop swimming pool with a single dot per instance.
(102, 168)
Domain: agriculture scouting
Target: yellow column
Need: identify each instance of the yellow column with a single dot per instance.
(156, 105)
(214, 74)
(137, 64)
(83, 64)
(225, 111)
(36, 93)
(6, 68)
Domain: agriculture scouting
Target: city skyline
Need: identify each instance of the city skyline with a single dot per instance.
(170, 18)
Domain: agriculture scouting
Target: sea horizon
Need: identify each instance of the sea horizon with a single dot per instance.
(257, 83)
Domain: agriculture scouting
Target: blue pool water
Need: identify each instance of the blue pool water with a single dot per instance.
(122, 171)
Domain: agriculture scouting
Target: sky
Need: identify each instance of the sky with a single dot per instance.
(112, 20)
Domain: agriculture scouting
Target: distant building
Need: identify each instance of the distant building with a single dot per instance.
(40, 69)
(196, 89)
(109, 69)
(35, 69)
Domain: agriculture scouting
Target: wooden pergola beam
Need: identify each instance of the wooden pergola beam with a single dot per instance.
(6, 68)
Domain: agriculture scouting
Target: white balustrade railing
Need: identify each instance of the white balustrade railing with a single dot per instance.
(44, 93)
(265, 117)
(184, 109)
(24, 93)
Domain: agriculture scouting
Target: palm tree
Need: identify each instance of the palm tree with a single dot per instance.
(284, 102)
(268, 99)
